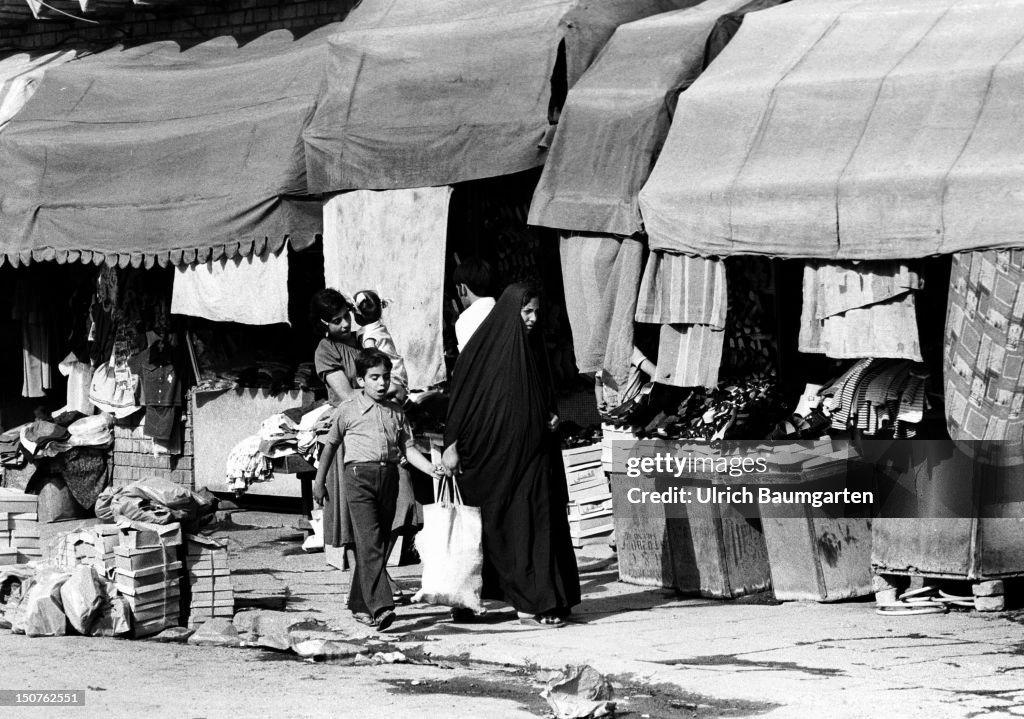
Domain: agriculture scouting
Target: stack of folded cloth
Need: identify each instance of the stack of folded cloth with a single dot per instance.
(44, 439)
(10, 448)
(313, 423)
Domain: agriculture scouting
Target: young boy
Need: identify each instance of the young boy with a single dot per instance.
(373, 435)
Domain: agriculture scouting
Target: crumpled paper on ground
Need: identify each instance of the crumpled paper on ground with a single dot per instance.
(579, 692)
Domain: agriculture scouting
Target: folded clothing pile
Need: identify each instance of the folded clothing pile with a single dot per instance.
(246, 465)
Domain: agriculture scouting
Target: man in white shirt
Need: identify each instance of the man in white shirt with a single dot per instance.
(473, 282)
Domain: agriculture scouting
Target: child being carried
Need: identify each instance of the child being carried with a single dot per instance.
(373, 334)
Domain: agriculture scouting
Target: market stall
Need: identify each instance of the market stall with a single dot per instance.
(856, 138)
(217, 192)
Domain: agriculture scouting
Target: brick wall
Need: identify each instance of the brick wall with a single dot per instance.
(133, 456)
(242, 18)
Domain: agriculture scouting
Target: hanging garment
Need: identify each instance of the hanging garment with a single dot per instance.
(35, 338)
(601, 276)
(251, 290)
(984, 348)
(79, 376)
(394, 243)
(854, 310)
(688, 297)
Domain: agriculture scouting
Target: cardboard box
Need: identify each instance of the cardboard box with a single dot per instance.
(151, 589)
(142, 605)
(134, 559)
(581, 455)
(150, 575)
(142, 535)
(16, 502)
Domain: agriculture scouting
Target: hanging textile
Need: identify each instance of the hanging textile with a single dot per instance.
(393, 242)
(79, 376)
(689, 355)
(36, 338)
(854, 310)
(251, 290)
(601, 276)
(688, 297)
(984, 348)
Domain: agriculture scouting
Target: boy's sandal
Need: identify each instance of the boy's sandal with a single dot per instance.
(401, 598)
(542, 621)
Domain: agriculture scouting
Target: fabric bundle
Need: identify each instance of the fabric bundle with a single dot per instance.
(855, 310)
(246, 465)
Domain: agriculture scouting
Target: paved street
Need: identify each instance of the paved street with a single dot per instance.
(668, 656)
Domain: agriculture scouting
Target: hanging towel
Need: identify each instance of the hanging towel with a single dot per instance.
(393, 242)
(601, 276)
(984, 348)
(251, 290)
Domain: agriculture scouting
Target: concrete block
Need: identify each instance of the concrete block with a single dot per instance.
(991, 588)
(990, 604)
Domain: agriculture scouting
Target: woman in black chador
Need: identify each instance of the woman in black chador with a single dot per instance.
(500, 436)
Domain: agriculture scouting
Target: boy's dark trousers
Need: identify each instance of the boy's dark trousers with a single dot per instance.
(371, 490)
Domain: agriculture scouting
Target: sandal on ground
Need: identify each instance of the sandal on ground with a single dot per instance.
(384, 620)
(363, 618)
(401, 598)
(542, 621)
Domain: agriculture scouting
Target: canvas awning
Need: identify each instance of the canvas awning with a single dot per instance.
(20, 74)
(850, 129)
(424, 94)
(156, 155)
(615, 120)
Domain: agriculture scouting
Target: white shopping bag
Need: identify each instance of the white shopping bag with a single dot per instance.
(451, 551)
